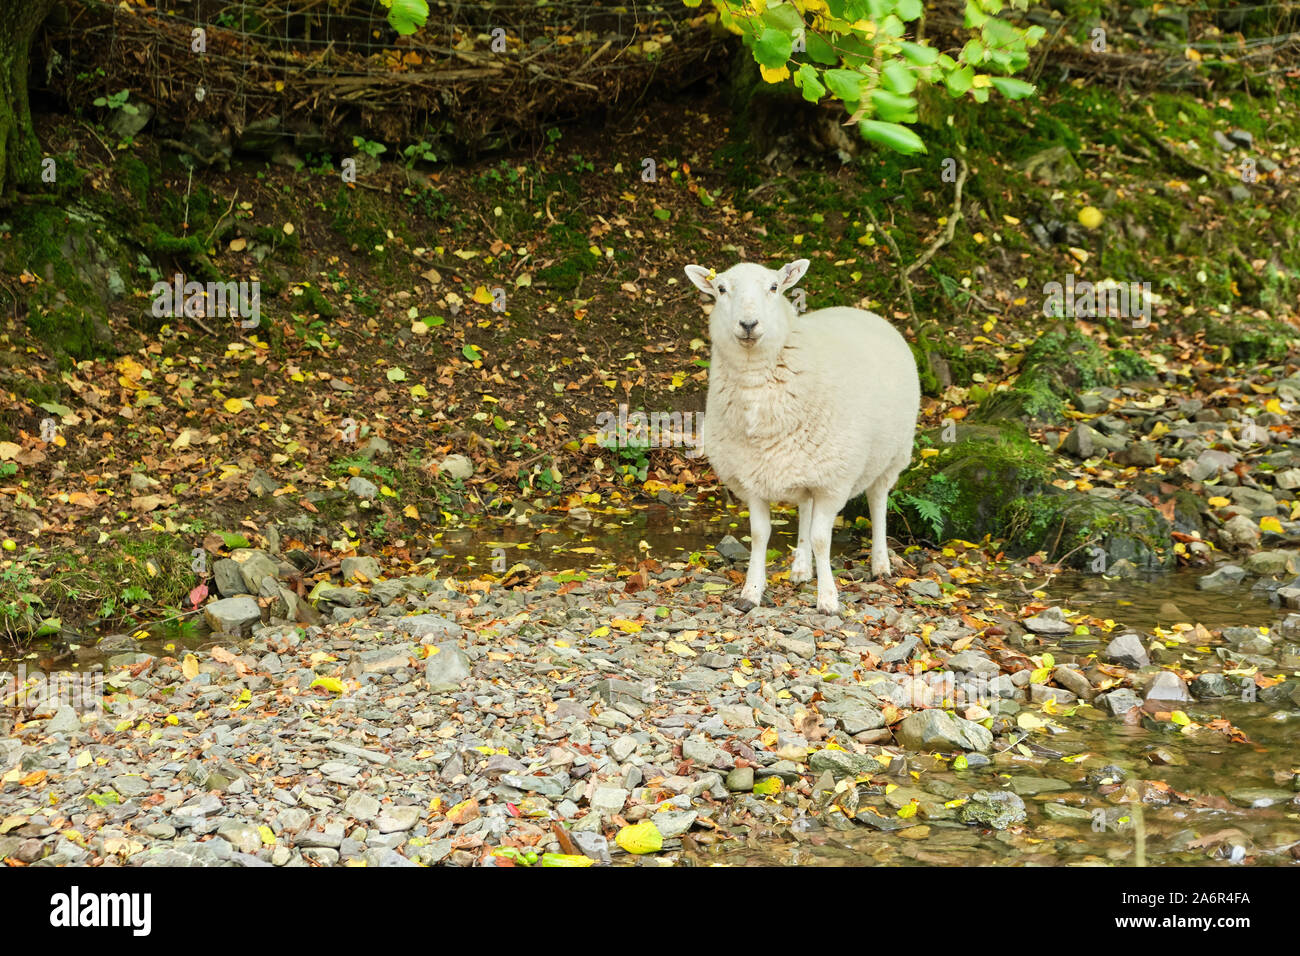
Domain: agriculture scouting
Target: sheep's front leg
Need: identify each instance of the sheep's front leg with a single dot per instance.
(823, 521)
(801, 567)
(760, 528)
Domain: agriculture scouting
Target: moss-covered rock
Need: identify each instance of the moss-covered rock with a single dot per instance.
(961, 492)
(1087, 531)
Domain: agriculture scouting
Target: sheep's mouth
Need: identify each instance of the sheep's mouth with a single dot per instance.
(748, 340)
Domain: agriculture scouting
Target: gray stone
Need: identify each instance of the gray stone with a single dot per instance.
(243, 837)
(233, 615)
(367, 566)
(971, 663)
(741, 780)
(428, 625)
(1212, 685)
(363, 488)
(254, 566)
(1028, 786)
(1050, 621)
(397, 819)
(804, 649)
(1271, 563)
(1064, 813)
(362, 806)
(840, 763)
(624, 747)
(1168, 686)
(1119, 702)
(1260, 504)
(673, 823)
(1260, 797)
(1040, 693)
(1287, 480)
(456, 467)
(608, 799)
(1225, 576)
(1127, 650)
(613, 689)
(446, 669)
(64, 721)
(925, 588)
(732, 550)
(229, 579)
(130, 785)
(546, 786)
(593, 845)
(1140, 454)
(998, 809)
(928, 730)
(1073, 681)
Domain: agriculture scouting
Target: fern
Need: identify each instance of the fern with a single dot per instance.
(930, 511)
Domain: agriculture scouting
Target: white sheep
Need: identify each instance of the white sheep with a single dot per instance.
(812, 409)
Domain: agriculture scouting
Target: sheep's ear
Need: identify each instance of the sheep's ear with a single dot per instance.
(792, 272)
(703, 279)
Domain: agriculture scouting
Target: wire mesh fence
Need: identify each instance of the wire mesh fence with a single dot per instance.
(313, 69)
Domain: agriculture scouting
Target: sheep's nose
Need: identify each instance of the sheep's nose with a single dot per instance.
(748, 326)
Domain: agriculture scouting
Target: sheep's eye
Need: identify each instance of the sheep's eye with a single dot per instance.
(722, 290)
(773, 289)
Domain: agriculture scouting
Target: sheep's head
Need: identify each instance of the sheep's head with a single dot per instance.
(751, 315)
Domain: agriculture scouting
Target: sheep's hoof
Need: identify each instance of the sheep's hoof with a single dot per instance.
(799, 575)
(828, 607)
(745, 605)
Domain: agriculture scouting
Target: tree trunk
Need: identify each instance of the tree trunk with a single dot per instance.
(20, 153)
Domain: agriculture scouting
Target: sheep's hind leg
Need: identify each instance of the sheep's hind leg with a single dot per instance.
(760, 528)
(801, 568)
(878, 501)
(823, 522)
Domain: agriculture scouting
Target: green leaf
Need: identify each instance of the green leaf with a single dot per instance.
(1012, 89)
(471, 353)
(819, 50)
(784, 17)
(808, 82)
(959, 81)
(898, 138)
(233, 539)
(898, 77)
(407, 16)
(846, 85)
(51, 625)
(918, 53)
(893, 108)
(773, 48)
(908, 9)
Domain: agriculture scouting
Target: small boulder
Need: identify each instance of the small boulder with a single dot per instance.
(1127, 650)
(233, 615)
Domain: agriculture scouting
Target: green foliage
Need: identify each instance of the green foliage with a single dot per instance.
(117, 101)
(406, 16)
(855, 52)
